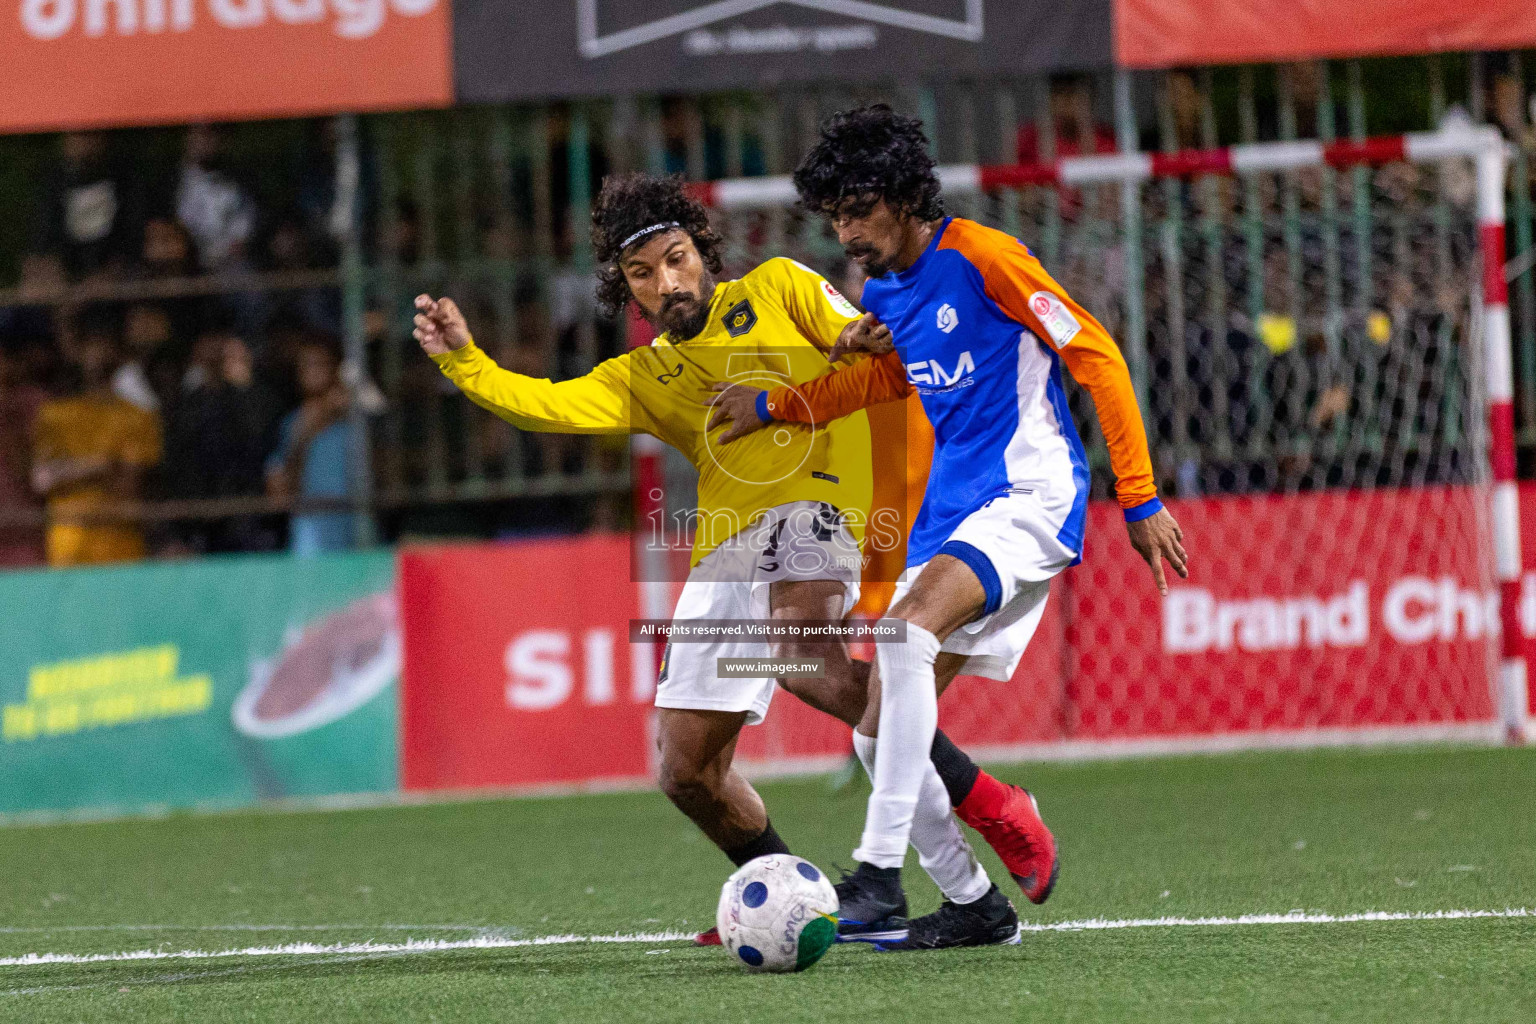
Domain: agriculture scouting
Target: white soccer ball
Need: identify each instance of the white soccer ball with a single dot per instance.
(777, 913)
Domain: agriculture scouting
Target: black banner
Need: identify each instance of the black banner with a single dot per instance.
(527, 49)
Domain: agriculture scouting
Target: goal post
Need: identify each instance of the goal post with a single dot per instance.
(1327, 379)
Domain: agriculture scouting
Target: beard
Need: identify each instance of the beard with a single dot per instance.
(868, 259)
(684, 316)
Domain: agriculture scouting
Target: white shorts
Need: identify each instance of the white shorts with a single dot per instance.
(800, 540)
(1012, 547)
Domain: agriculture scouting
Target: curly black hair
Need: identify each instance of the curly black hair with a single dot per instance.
(633, 202)
(867, 154)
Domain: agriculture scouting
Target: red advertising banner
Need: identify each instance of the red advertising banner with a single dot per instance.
(90, 63)
(1171, 33)
(1338, 610)
(1343, 610)
(520, 669)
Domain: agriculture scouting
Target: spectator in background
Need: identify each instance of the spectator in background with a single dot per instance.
(313, 459)
(147, 335)
(216, 440)
(291, 247)
(1076, 133)
(1073, 132)
(42, 277)
(90, 210)
(166, 249)
(1185, 108)
(400, 236)
(91, 450)
(21, 543)
(323, 218)
(211, 205)
(220, 216)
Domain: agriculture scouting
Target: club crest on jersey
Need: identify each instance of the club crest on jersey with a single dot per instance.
(739, 319)
(1055, 317)
(948, 318)
(930, 373)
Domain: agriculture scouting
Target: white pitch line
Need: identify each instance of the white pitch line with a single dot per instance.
(315, 949)
(1293, 917)
(494, 942)
(172, 979)
(44, 928)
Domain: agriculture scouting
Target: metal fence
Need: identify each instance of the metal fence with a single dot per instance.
(491, 205)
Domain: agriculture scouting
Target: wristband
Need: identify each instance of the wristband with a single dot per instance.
(1146, 510)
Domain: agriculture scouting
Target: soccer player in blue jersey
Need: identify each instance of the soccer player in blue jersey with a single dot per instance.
(980, 332)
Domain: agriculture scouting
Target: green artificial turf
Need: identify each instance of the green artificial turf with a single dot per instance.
(1332, 832)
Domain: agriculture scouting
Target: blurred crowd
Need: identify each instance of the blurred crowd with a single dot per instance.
(171, 371)
(157, 392)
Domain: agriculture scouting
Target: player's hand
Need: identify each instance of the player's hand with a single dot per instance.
(735, 404)
(440, 327)
(1156, 538)
(866, 334)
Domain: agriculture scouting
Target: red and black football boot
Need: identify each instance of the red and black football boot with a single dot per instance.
(1008, 818)
(709, 938)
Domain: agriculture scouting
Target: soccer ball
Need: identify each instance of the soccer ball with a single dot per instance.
(777, 913)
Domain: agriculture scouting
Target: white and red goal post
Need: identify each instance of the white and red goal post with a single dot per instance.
(1328, 392)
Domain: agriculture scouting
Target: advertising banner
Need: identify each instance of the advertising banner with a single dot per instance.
(1342, 610)
(219, 682)
(519, 666)
(112, 63)
(1335, 610)
(510, 49)
(1171, 33)
(108, 63)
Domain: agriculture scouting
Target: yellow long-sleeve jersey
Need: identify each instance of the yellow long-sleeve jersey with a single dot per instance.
(766, 330)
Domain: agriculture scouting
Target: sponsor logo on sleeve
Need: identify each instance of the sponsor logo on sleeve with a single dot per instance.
(1054, 317)
(840, 305)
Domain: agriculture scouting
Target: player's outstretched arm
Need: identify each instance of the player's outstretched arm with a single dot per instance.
(822, 400)
(598, 403)
(1023, 289)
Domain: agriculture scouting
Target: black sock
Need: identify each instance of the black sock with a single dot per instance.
(762, 846)
(956, 770)
(886, 876)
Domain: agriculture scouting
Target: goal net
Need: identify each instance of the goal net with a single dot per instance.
(1321, 354)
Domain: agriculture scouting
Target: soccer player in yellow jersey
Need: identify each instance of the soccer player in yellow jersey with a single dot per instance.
(781, 513)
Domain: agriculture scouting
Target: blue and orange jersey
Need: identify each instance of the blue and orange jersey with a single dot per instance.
(981, 331)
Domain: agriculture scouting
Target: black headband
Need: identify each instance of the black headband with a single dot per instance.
(647, 232)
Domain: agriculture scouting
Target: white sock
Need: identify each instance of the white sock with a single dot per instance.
(941, 846)
(909, 714)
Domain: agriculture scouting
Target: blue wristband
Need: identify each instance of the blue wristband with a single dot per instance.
(762, 407)
(1146, 510)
